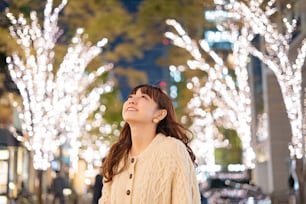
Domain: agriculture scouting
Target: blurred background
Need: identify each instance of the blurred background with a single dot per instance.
(233, 68)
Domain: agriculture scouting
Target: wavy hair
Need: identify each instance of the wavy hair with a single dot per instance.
(169, 126)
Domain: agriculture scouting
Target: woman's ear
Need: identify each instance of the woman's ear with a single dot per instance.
(159, 115)
(162, 114)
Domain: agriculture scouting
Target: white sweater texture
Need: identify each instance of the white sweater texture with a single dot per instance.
(162, 174)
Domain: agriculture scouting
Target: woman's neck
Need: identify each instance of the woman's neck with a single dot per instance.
(141, 138)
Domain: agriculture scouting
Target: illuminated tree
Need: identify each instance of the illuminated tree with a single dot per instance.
(222, 101)
(255, 17)
(56, 103)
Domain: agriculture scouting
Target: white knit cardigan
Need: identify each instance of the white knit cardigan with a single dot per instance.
(162, 174)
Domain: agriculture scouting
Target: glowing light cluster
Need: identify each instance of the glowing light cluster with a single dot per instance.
(275, 55)
(222, 101)
(55, 106)
(90, 141)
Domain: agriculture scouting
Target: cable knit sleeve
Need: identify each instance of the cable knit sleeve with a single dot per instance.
(185, 189)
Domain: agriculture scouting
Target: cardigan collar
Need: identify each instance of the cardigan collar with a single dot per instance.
(151, 147)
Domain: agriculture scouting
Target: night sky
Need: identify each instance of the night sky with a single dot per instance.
(148, 62)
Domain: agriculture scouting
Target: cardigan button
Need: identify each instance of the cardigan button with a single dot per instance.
(128, 192)
(132, 160)
(131, 175)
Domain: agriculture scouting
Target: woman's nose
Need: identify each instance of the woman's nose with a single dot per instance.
(131, 101)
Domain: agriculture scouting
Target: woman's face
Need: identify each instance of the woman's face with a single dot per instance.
(140, 108)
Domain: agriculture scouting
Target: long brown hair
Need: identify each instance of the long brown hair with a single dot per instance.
(169, 126)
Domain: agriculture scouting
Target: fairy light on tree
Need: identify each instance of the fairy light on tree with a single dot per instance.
(56, 103)
(91, 137)
(231, 99)
(275, 55)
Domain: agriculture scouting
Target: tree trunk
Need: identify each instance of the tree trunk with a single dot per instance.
(300, 197)
(39, 189)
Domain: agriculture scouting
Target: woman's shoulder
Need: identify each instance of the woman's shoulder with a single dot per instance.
(174, 150)
(169, 144)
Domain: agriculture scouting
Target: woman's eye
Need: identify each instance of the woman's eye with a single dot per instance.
(145, 96)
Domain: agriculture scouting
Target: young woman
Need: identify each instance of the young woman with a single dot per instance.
(151, 163)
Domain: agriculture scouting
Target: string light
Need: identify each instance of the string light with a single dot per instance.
(255, 21)
(276, 57)
(56, 104)
(221, 101)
